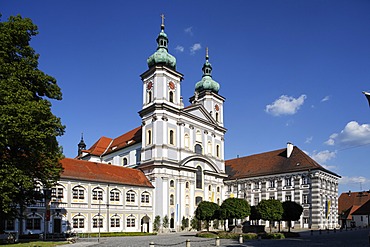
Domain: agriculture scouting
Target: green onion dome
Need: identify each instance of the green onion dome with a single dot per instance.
(207, 83)
(161, 56)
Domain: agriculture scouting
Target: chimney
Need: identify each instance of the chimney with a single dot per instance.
(289, 149)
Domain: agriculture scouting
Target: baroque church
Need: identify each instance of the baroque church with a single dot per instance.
(171, 162)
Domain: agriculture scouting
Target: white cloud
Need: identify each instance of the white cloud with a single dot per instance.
(285, 105)
(354, 180)
(308, 139)
(323, 156)
(195, 48)
(353, 134)
(189, 30)
(326, 98)
(330, 168)
(179, 48)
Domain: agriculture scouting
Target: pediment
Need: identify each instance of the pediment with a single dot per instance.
(199, 111)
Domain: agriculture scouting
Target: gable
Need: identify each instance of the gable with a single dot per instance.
(198, 111)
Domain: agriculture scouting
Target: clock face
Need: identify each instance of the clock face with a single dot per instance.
(217, 108)
(150, 85)
(171, 85)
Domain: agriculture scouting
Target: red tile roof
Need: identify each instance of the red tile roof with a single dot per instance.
(349, 199)
(364, 209)
(107, 145)
(269, 163)
(98, 172)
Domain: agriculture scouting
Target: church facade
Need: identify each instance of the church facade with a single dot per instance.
(171, 162)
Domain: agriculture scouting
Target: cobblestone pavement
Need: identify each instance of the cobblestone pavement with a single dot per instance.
(354, 238)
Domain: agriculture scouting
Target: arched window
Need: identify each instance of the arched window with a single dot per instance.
(115, 221)
(97, 194)
(172, 200)
(186, 141)
(218, 201)
(130, 221)
(57, 192)
(187, 185)
(125, 161)
(198, 136)
(149, 137)
(33, 222)
(114, 195)
(145, 197)
(199, 178)
(172, 183)
(218, 151)
(217, 117)
(98, 221)
(130, 196)
(149, 97)
(78, 192)
(198, 200)
(187, 200)
(209, 145)
(172, 137)
(218, 189)
(198, 149)
(171, 97)
(78, 221)
(209, 187)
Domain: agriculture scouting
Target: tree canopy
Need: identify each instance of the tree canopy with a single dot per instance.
(292, 211)
(235, 208)
(271, 210)
(29, 149)
(207, 211)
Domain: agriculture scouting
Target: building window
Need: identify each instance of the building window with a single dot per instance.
(272, 197)
(305, 180)
(115, 221)
(114, 195)
(78, 193)
(172, 137)
(209, 187)
(187, 185)
(145, 197)
(33, 223)
(124, 161)
(95, 222)
(218, 151)
(150, 97)
(130, 196)
(218, 201)
(256, 185)
(171, 97)
(148, 137)
(288, 198)
(57, 192)
(97, 194)
(199, 178)
(256, 200)
(186, 141)
(78, 222)
(9, 225)
(218, 189)
(272, 183)
(288, 182)
(187, 199)
(198, 136)
(130, 221)
(172, 200)
(198, 200)
(172, 183)
(305, 199)
(217, 117)
(198, 149)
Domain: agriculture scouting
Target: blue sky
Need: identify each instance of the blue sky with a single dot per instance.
(290, 70)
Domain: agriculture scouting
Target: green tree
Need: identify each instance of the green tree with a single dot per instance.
(254, 216)
(292, 211)
(271, 210)
(29, 151)
(157, 223)
(194, 223)
(206, 211)
(184, 223)
(234, 208)
(165, 222)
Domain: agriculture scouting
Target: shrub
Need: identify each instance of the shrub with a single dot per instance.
(206, 235)
(273, 236)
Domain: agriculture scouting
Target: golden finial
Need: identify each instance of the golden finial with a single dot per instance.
(162, 25)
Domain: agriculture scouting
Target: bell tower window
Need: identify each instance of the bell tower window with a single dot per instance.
(149, 96)
(171, 96)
